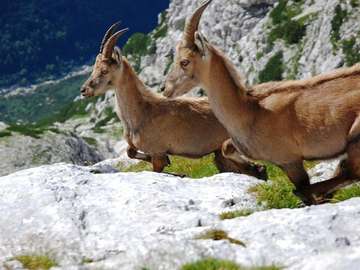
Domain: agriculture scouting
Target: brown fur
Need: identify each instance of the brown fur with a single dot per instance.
(281, 122)
(158, 126)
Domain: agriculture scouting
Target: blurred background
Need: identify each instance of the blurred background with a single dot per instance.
(43, 39)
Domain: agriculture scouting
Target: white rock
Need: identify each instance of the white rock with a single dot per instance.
(129, 221)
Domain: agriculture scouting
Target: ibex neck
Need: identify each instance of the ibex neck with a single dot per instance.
(129, 97)
(227, 95)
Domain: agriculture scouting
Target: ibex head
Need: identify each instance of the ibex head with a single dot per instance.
(107, 65)
(191, 53)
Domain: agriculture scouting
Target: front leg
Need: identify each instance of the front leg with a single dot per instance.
(133, 153)
(299, 177)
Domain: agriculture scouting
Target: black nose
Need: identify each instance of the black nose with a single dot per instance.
(162, 89)
(83, 90)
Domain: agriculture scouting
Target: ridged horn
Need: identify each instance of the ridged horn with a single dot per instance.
(192, 24)
(110, 44)
(108, 34)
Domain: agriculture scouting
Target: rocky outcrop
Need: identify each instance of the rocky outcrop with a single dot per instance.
(129, 221)
(19, 152)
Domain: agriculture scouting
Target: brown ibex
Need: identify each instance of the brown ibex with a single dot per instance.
(292, 121)
(157, 126)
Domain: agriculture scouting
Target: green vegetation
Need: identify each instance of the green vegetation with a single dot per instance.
(277, 193)
(162, 29)
(216, 264)
(90, 141)
(194, 168)
(5, 133)
(235, 214)
(33, 262)
(137, 46)
(218, 235)
(347, 193)
(285, 27)
(336, 23)
(211, 264)
(273, 70)
(354, 3)
(351, 51)
(47, 101)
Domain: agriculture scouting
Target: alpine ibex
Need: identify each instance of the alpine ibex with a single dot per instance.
(292, 121)
(157, 126)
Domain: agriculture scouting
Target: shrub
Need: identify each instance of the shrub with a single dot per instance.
(137, 45)
(273, 69)
(291, 31)
(351, 51)
(336, 23)
(36, 262)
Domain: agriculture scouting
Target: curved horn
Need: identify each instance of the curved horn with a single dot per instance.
(108, 34)
(192, 24)
(110, 44)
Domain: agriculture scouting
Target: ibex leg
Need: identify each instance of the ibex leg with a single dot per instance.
(231, 160)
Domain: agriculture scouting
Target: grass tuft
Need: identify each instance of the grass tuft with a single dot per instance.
(193, 168)
(277, 193)
(33, 262)
(216, 264)
(235, 214)
(347, 193)
(218, 235)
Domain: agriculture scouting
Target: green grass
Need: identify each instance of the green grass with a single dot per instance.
(277, 193)
(273, 70)
(216, 264)
(218, 235)
(33, 262)
(347, 193)
(211, 264)
(235, 214)
(193, 168)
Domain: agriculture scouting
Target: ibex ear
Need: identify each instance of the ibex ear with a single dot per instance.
(201, 44)
(117, 55)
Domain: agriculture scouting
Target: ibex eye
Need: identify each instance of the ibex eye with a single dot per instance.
(184, 63)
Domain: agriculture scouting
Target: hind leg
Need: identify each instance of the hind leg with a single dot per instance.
(231, 160)
(348, 173)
